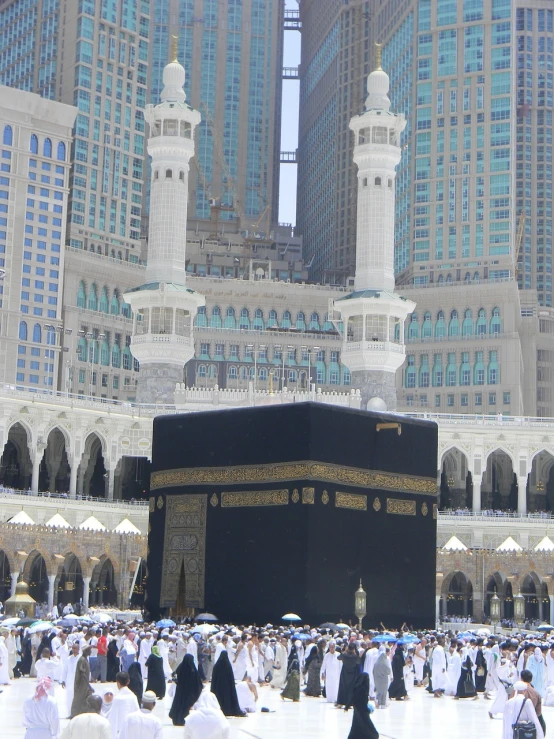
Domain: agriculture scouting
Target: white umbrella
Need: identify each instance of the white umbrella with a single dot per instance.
(204, 629)
(9, 621)
(545, 627)
(40, 626)
(291, 617)
(102, 618)
(71, 617)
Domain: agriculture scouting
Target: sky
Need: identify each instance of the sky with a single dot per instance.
(289, 129)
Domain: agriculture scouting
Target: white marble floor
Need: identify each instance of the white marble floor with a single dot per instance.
(422, 718)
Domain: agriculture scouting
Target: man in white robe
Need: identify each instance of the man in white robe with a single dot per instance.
(143, 724)
(145, 650)
(550, 667)
(330, 672)
(163, 647)
(438, 669)
(46, 667)
(89, 725)
(68, 677)
(513, 708)
(4, 663)
(40, 714)
(420, 657)
(124, 703)
(11, 645)
(206, 719)
(192, 648)
(453, 671)
(369, 663)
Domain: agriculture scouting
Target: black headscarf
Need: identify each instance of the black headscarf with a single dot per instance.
(362, 725)
(135, 681)
(187, 690)
(223, 686)
(293, 656)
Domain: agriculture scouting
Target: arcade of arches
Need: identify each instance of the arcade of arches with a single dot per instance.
(496, 483)
(466, 582)
(78, 566)
(55, 469)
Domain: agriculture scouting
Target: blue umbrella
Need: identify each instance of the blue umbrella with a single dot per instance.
(383, 638)
(165, 623)
(405, 640)
(302, 637)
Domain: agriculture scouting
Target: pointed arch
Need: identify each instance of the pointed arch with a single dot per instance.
(61, 151)
(7, 138)
(33, 146)
(47, 148)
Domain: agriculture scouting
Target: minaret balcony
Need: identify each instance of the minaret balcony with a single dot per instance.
(386, 356)
(162, 339)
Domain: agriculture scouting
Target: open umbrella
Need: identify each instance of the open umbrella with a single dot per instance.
(26, 621)
(71, 617)
(291, 617)
(328, 625)
(545, 627)
(384, 639)
(343, 626)
(207, 617)
(302, 636)
(405, 640)
(9, 621)
(205, 630)
(165, 623)
(40, 626)
(102, 618)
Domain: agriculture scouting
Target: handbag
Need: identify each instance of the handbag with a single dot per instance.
(524, 729)
(480, 671)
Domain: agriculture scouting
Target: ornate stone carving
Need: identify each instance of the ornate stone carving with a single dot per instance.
(308, 496)
(255, 498)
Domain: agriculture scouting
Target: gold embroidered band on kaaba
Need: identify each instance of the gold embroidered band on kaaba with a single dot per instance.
(265, 473)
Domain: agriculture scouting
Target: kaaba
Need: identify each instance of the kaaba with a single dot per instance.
(257, 512)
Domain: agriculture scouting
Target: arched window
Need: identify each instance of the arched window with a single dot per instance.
(465, 370)
(244, 321)
(116, 356)
(258, 319)
(314, 322)
(438, 375)
(232, 372)
(127, 359)
(182, 176)
(104, 301)
(37, 333)
(441, 279)
(262, 372)
(34, 144)
(496, 323)
(286, 322)
(114, 306)
(272, 319)
(212, 371)
(301, 321)
(105, 353)
(479, 369)
(202, 370)
(126, 310)
(410, 374)
(120, 255)
(424, 373)
(92, 298)
(201, 319)
(467, 326)
(292, 375)
(427, 328)
(454, 325)
(50, 336)
(215, 320)
(378, 181)
(243, 373)
(82, 349)
(390, 183)
(440, 325)
(481, 322)
(112, 254)
(467, 278)
(23, 331)
(156, 174)
(47, 148)
(82, 295)
(8, 136)
(493, 370)
(230, 320)
(448, 279)
(168, 174)
(413, 327)
(476, 277)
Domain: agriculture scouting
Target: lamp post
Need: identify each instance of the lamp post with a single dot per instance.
(360, 604)
(495, 610)
(519, 608)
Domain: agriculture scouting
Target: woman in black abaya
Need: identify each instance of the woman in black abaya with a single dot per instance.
(397, 689)
(113, 661)
(156, 677)
(188, 687)
(466, 686)
(362, 725)
(223, 686)
(350, 671)
(136, 684)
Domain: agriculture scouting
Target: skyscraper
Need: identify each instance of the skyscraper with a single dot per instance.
(334, 67)
(233, 54)
(93, 55)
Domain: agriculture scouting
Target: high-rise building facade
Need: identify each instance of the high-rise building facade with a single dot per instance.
(334, 66)
(92, 54)
(233, 53)
(35, 140)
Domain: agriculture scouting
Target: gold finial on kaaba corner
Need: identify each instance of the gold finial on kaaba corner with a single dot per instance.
(175, 42)
(378, 48)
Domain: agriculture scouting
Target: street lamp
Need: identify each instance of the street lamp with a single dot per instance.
(360, 604)
(495, 610)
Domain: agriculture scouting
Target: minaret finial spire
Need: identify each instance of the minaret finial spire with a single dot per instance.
(175, 42)
(378, 49)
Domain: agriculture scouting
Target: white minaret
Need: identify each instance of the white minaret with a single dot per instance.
(374, 315)
(164, 308)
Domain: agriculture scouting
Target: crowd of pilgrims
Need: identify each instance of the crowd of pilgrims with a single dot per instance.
(209, 673)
